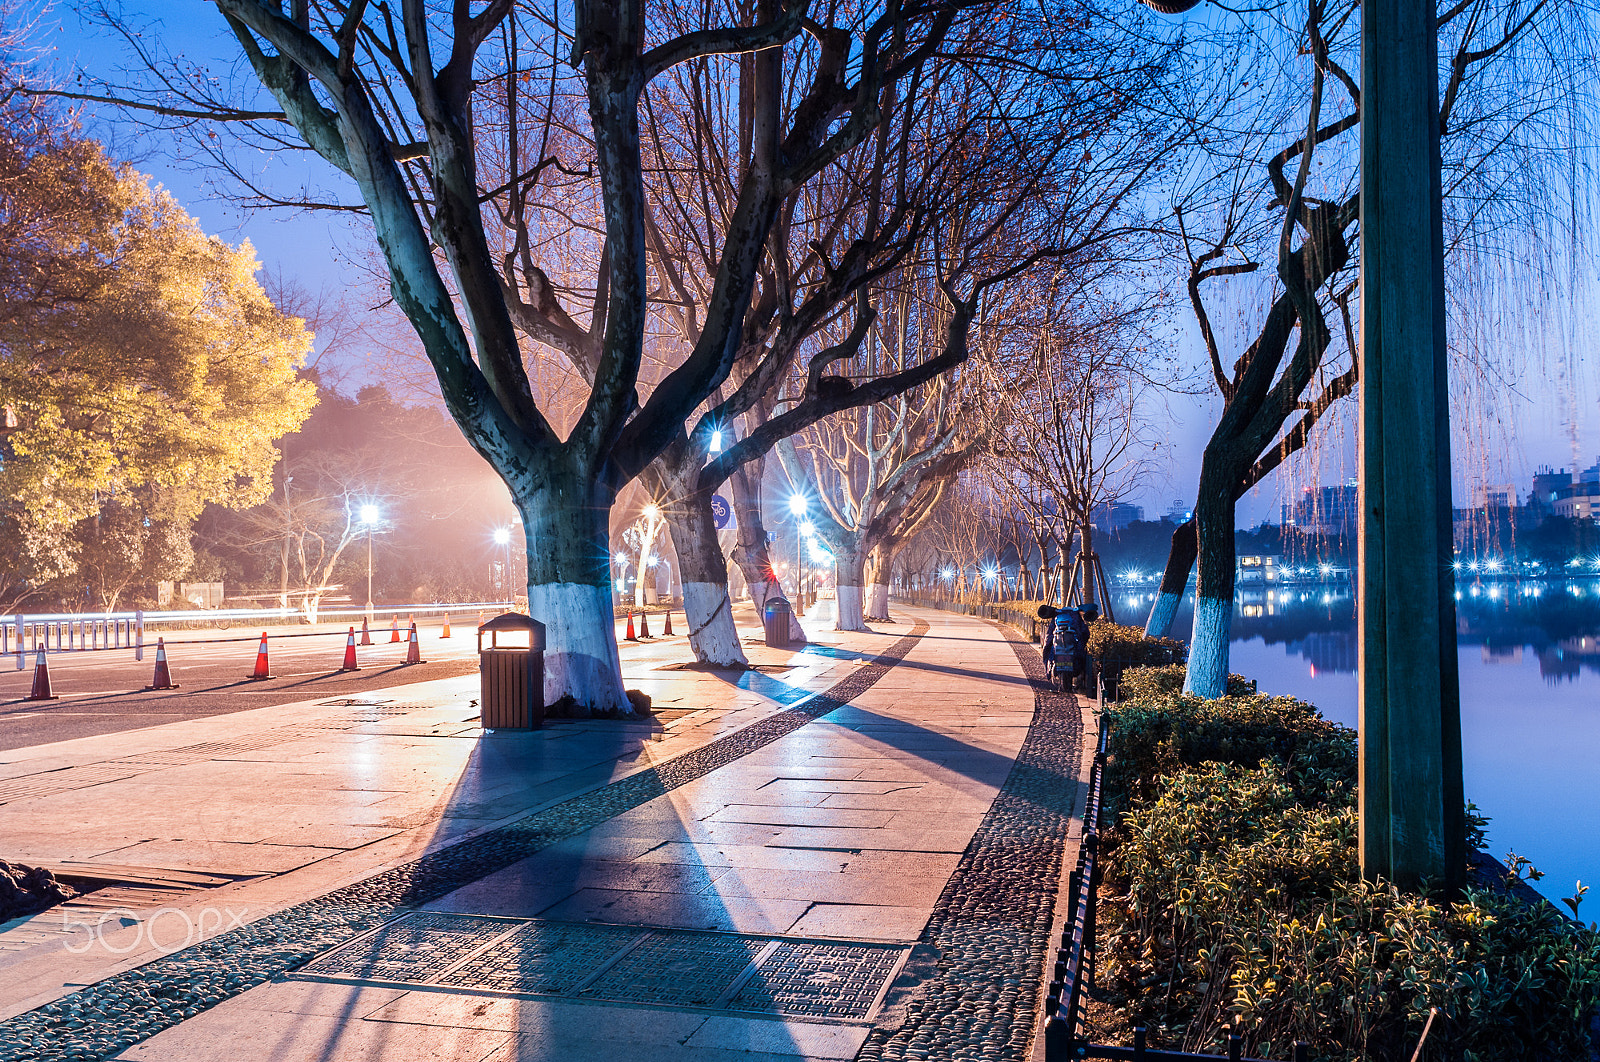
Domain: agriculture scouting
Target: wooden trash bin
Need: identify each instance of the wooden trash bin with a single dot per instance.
(511, 673)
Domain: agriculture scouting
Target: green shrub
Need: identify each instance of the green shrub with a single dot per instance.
(1158, 730)
(1233, 893)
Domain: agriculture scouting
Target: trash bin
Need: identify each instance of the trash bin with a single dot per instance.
(776, 620)
(511, 673)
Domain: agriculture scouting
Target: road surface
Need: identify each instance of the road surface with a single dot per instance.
(103, 692)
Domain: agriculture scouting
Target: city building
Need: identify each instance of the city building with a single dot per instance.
(1113, 516)
(1325, 510)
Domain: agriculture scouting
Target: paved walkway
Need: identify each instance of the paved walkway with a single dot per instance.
(839, 856)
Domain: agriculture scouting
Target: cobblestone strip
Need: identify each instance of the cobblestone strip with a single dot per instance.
(112, 1015)
(983, 948)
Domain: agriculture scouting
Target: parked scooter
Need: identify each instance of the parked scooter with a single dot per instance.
(1065, 645)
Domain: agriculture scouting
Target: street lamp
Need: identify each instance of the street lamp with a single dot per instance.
(369, 516)
(502, 538)
(797, 509)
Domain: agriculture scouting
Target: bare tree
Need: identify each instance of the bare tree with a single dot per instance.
(1076, 440)
(1298, 361)
(387, 92)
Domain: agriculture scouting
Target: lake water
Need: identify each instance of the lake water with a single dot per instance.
(1530, 702)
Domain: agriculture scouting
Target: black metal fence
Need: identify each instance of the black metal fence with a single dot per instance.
(1073, 975)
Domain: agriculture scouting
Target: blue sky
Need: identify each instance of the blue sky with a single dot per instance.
(1530, 420)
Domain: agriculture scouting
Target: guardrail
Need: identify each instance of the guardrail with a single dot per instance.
(67, 632)
(1073, 973)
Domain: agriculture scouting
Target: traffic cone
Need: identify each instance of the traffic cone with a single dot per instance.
(163, 677)
(394, 629)
(41, 680)
(630, 636)
(262, 671)
(413, 649)
(350, 653)
(644, 624)
(666, 625)
(366, 635)
(446, 632)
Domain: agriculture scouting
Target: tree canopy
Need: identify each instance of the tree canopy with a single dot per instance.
(139, 357)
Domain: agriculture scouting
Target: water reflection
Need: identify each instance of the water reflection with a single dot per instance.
(1556, 622)
(1529, 658)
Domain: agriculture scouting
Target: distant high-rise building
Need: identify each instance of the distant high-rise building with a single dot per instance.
(1113, 516)
(1325, 510)
(1498, 496)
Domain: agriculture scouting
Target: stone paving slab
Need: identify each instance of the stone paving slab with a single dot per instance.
(876, 805)
(234, 792)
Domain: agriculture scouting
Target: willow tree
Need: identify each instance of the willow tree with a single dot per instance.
(1503, 87)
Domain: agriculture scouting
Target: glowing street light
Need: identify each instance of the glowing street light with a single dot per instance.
(369, 516)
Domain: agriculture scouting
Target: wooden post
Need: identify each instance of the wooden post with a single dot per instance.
(1411, 790)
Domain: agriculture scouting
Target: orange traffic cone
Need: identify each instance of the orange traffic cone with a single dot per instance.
(350, 653)
(41, 680)
(644, 624)
(630, 636)
(394, 629)
(446, 632)
(666, 625)
(163, 677)
(413, 649)
(366, 635)
(262, 671)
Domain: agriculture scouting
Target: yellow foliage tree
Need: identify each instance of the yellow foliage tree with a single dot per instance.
(141, 365)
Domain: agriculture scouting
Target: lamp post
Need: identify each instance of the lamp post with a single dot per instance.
(369, 516)
(502, 538)
(797, 509)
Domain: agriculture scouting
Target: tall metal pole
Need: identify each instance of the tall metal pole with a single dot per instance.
(1410, 776)
(369, 571)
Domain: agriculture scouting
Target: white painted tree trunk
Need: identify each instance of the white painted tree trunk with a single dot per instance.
(1162, 613)
(712, 634)
(580, 656)
(1208, 648)
(847, 579)
(878, 602)
(880, 560)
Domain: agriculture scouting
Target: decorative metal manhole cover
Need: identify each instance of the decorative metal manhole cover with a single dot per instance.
(778, 976)
(820, 979)
(418, 948)
(542, 958)
(681, 969)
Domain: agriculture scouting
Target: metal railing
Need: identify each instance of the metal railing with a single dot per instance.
(1073, 974)
(68, 632)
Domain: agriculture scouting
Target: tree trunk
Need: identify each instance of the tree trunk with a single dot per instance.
(1213, 607)
(752, 554)
(1174, 580)
(847, 570)
(1086, 549)
(647, 547)
(879, 562)
(701, 568)
(565, 519)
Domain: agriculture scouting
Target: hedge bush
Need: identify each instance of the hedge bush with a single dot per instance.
(1233, 895)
